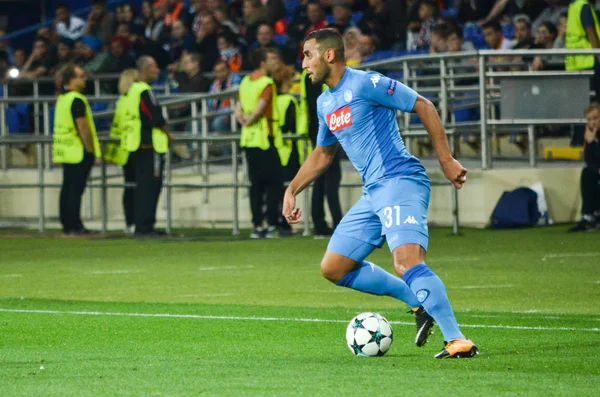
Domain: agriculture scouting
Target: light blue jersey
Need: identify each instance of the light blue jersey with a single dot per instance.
(360, 114)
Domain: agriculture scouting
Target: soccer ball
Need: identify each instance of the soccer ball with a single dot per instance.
(369, 335)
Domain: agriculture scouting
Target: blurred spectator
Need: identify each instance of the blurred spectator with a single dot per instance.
(67, 25)
(191, 81)
(117, 61)
(40, 62)
(229, 52)
(562, 31)
(49, 35)
(523, 39)
(176, 11)
(351, 42)
(180, 41)
(65, 55)
(265, 39)
(5, 46)
(456, 40)
(427, 15)
(309, 18)
(100, 23)
(141, 45)
(254, 16)
(273, 10)
(93, 57)
(439, 37)
(387, 21)
(19, 58)
(495, 40)
(147, 15)
(367, 44)
(154, 29)
(413, 21)
(123, 29)
(554, 10)
(4, 66)
(206, 41)
(474, 10)
(342, 16)
(224, 19)
(545, 38)
(224, 80)
(531, 8)
(198, 9)
(590, 175)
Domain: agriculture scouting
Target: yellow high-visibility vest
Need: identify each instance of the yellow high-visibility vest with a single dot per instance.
(130, 122)
(576, 37)
(256, 135)
(116, 152)
(68, 146)
(285, 150)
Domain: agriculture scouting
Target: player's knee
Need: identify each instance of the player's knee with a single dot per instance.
(330, 271)
(402, 263)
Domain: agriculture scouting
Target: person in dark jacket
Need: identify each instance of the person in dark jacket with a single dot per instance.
(590, 175)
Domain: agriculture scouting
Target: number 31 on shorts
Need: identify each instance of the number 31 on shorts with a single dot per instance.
(391, 214)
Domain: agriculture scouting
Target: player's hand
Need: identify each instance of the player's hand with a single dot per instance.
(590, 134)
(455, 172)
(290, 212)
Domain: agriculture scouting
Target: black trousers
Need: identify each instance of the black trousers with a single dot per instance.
(148, 170)
(328, 185)
(74, 180)
(129, 194)
(590, 191)
(266, 180)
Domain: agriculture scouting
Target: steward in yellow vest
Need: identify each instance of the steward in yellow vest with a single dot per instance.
(256, 111)
(292, 153)
(117, 153)
(145, 136)
(583, 32)
(75, 146)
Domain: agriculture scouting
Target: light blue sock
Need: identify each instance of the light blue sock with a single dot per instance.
(372, 279)
(431, 293)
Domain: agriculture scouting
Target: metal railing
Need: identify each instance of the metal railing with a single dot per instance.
(454, 76)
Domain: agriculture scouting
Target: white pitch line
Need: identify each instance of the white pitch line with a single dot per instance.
(483, 286)
(299, 320)
(204, 295)
(569, 255)
(100, 272)
(10, 275)
(225, 268)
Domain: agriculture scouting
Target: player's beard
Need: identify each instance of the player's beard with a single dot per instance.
(321, 74)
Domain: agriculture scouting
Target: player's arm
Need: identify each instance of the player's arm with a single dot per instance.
(78, 112)
(314, 166)
(428, 114)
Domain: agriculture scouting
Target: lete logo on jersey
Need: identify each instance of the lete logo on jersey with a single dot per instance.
(339, 119)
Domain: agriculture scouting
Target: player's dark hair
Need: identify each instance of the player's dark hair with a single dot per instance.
(329, 38)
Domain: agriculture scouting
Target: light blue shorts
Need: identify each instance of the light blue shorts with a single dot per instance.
(394, 209)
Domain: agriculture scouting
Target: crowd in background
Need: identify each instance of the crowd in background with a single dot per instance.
(191, 38)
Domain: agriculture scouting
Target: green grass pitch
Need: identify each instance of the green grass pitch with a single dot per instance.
(211, 315)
